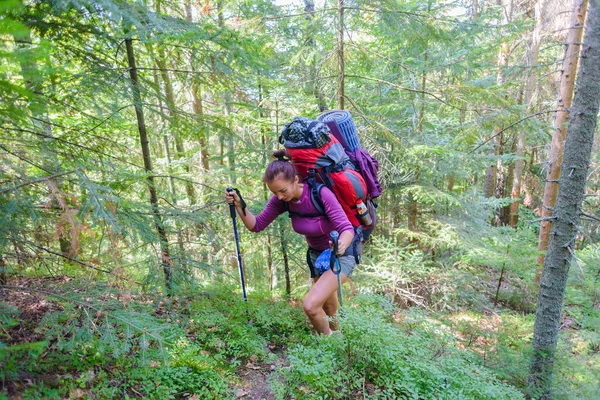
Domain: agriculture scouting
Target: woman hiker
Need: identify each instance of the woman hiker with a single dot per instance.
(282, 179)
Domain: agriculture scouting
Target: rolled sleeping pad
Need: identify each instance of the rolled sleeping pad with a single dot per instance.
(335, 131)
(344, 125)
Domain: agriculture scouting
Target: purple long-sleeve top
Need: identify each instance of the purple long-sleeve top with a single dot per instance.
(315, 229)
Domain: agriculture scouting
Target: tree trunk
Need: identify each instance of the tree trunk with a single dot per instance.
(3, 279)
(286, 259)
(571, 192)
(170, 97)
(531, 60)
(315, 87)
(228, 115)
(198, 108)
(33, 82)
(139, 112)
(171, 180)
(271, 270)
(161, 108)
(489, 183)
(203, 137)
(412, 213)
(567, 83)
(340, 53)
(501, 217)
(501, 63)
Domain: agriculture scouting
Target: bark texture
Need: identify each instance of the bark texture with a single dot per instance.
(578, 147)
(567, 84)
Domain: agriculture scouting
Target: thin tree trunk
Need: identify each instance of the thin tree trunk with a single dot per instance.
(413, 212)
(451, 180)
(340, 51)
(286, 260)
(271, 270)
(172, 187)
(501, 217)
(567, 83)
(489, 183)
(228, 114)
(198, 108)
(423, 106)
(32, 80)
(3, 280)
(156, 80)
(139, 112)
(170, 97)
(502, 62)
(571, 192)
(315, 87)
(203, 137)
(531, 60)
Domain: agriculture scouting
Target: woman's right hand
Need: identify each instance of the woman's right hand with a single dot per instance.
(232, 198)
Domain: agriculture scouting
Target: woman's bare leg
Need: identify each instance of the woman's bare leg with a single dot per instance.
(321, 301)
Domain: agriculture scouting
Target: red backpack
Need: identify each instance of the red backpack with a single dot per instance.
(320, 158)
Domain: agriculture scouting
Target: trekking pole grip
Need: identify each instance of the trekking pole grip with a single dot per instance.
(231, 205)
(334, 239)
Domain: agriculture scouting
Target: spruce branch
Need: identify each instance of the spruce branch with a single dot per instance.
(86, 305)
(67, 142)
(34, 181)
(399, 87)
(71, 259)
(511, 125)
(25, 160)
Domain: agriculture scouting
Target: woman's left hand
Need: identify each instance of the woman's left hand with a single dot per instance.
(344, 241)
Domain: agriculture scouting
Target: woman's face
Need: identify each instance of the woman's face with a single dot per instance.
(284, 189)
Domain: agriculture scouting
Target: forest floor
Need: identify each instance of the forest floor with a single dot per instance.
(254, 379)
(255, 373)
(29, 297)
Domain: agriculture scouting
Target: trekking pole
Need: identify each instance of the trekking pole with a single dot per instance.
(334, 264)
(237, 246)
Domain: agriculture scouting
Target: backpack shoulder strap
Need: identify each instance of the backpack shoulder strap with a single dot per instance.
(315, 198)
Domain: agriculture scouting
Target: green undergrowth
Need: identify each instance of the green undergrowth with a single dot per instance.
(106, 344)
(377, 357)
(98, 342)
(482, 289)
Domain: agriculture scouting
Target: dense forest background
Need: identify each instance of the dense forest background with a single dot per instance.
(122, 122)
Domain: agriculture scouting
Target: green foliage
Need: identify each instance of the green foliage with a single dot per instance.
(423, 84)
(190, 369)
(378, 359)
(234, 330)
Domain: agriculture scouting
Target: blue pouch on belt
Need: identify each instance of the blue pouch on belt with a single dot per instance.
(322, 262)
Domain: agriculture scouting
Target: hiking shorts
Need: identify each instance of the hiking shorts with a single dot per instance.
(348, 261)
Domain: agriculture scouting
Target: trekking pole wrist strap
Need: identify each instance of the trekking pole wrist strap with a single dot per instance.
(242, 202)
